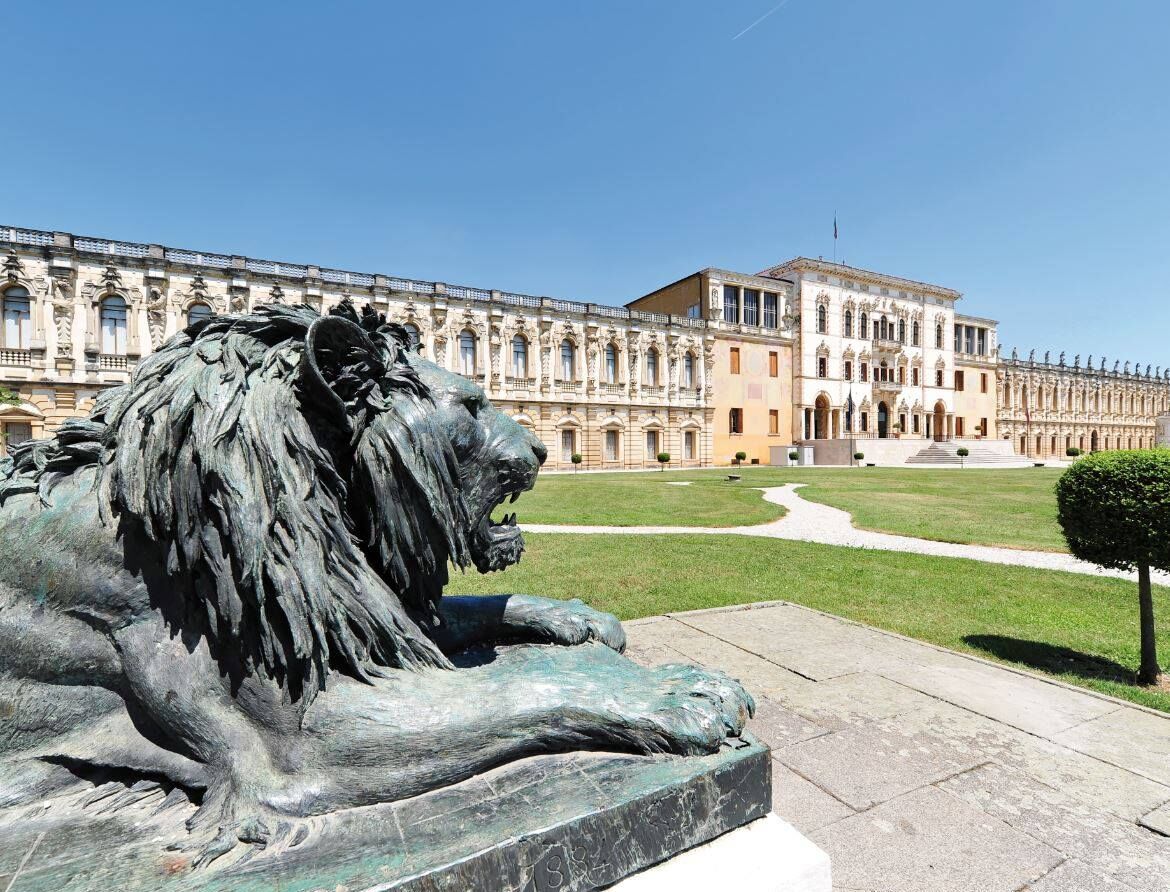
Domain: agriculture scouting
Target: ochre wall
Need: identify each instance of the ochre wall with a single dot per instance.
(754, 391)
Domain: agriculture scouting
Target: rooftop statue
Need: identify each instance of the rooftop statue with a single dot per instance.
(228, 581)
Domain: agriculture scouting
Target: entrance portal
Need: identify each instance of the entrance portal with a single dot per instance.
(883, 420)
(940, 421)
(821, 418)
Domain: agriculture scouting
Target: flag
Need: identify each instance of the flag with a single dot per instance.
(834, 227)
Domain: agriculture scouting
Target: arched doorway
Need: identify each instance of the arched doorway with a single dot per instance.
(821, 418)
(940, 421)
(1093, 441)
(883, 420)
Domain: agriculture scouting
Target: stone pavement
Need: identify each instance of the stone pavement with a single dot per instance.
(812, 522)
(918, 768)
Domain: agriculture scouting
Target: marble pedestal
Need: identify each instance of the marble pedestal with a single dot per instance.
(571, 823)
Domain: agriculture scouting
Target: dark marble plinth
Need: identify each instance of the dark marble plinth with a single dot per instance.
(563, 823)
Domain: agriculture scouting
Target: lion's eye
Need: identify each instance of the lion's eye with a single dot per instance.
(471, 404)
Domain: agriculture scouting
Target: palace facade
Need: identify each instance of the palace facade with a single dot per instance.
(716, 364)
(615, 386)
(1048, 407)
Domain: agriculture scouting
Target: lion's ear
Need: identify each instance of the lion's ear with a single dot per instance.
(341, 363)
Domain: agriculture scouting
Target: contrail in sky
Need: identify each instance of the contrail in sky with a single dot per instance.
(760, 19)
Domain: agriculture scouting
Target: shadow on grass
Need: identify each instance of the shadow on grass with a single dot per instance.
(1051, 658)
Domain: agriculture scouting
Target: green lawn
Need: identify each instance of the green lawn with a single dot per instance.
(1081, 628)
(1010, 507)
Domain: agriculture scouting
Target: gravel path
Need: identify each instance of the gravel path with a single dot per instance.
(811, 522)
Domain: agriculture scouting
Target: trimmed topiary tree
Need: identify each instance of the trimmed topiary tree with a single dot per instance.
(1072, 452)
(859, 456)
(1114, 510)
(663, 459)
(740, 456)
(962, 452)
(575, 458)
(794, 456)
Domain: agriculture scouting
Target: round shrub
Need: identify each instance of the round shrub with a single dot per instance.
(663, 458)
(1114, 510)
(740, 456)
(858, 456)
(793, 455)
(575, 458)
(1072, 452)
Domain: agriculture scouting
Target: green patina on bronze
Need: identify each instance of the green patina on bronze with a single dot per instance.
(222, 597)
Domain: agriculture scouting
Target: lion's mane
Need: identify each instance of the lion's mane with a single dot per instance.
(292, 497)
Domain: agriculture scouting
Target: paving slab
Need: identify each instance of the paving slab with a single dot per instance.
(802, 803)
(1157, 820)
(1130, 738)
(1091, 781)
(873, 763)
(849, 700)
(779, 727)
(931, 841)
(1074, 876)
(1105, 843)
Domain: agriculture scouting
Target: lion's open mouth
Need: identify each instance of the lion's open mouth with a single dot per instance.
(496, 545)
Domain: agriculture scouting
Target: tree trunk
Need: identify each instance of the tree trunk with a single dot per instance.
(1148, 673)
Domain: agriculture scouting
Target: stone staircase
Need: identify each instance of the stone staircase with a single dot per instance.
(982, 453)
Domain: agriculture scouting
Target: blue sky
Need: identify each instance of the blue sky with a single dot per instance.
(595, 150)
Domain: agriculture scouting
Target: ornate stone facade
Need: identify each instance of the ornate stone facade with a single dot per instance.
(603, 382)
(1047, 406)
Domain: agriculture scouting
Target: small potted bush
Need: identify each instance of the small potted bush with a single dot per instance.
(963, 452)
(859, 457)
(793, 457)
(1072, 452)
(575, 458)
(740, 456)
(897, 430)
(663, 459)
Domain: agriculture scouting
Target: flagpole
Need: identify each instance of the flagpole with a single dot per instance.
(834, 237)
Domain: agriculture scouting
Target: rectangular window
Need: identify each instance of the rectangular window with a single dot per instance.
(771, 302)
(864, 422)
(652, 444)
(730, 303)
(982, 341)
(938, 378)
(915, 424)
(864, 372)
(983, 382)
(914, 377)
(567, 444)
(822, 367)
(689, 444)
(773, 364)
(735, 421)
(773, 421)
(611, 445)
(969, 332)
(958, 380)
(735, 360)
(848, 370)
(958, 339)
(901, 374)
(15, 433)
(751, 306)
(958, 426)
(693, 311)
(983, 426)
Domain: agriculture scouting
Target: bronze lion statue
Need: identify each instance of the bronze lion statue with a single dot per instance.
(229, 580)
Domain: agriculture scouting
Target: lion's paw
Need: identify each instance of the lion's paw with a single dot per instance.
(696, 710)
(575, 622)
(221, 827)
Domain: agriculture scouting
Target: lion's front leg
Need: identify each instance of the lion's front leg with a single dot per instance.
(470, 620)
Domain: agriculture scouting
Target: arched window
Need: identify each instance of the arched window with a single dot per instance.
(519, 357)
(113, 325)
(901, 331)
(822, 319)
(864, 332)
(412, 335)
(17, 309)
(884, 371)
(938, 337)
(914, 334)
(567, 356)
(198, 312)
(848, 323)
(651, 366)
(688, 369)
(611, 364)
(467, 353)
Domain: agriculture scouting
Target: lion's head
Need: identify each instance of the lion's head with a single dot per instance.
(295, 486)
